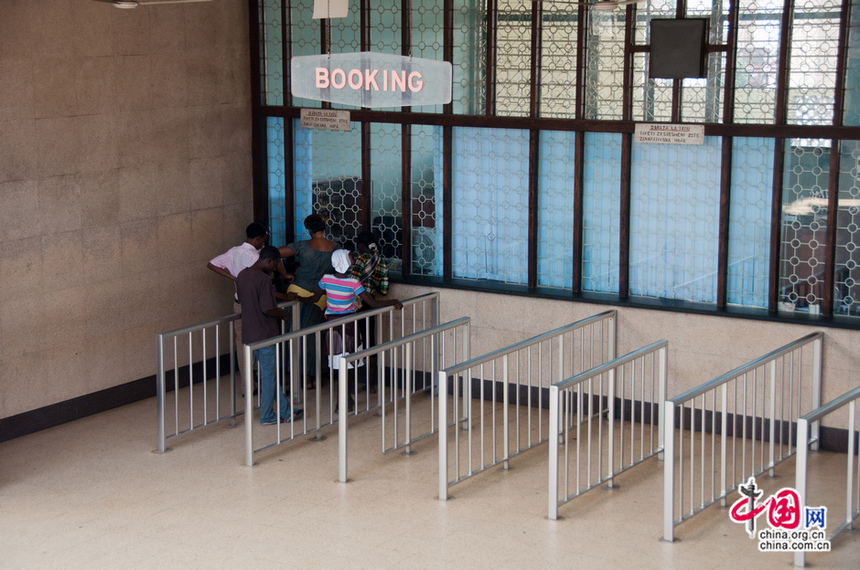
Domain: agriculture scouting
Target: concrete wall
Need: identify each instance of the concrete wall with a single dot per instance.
(701, 347)
(125, 164)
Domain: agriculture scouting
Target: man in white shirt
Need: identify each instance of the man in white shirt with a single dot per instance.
(234, 260)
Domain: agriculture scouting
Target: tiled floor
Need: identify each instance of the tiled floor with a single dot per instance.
(91, 494)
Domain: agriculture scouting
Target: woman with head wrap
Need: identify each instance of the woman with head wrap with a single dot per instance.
(314, 260)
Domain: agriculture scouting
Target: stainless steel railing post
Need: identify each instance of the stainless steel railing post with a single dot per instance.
(343, 414)
(159, 395)
(554, 426)
(249, 406)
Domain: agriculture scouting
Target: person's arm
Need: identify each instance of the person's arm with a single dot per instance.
(220, 271)
(366, 298)
(288, 277)
(286, 251)
(279, 313)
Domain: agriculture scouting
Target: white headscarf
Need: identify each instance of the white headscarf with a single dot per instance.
(340, 260)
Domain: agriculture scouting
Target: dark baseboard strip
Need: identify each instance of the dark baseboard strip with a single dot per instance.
(76, 408)
(101, 401)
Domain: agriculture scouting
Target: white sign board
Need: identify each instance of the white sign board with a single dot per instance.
(326, 119)
(663, 133)
(369, 79)
(330, 9)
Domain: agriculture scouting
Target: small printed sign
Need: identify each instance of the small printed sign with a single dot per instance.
(662, 133)
(325, 119)
(370, 79)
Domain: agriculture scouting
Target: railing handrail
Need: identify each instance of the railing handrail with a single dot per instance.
(352, 357)
(830, 406)
(197, 327)
(324, 326)
(659, 351)
(529, 342)
(614, 363)
(218, 321)
(751, 365)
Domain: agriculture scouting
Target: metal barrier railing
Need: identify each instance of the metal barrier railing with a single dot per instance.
(402, 371)
(630, 389)
(503, 415)
(852, 486)
(750, 410)
(291, 352)
(194, 348)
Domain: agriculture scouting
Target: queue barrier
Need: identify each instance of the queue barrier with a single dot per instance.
(498, 401)
(745, 420)
(291, 354)
(806, 425)
(196, 357)
(606, 399)
(398, 362)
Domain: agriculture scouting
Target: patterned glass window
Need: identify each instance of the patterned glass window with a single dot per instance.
(272, 29)
(601, 212)
(560, 30)
(555, 208)
(513, 57)
(277, 183)
(387, 175)
(812, 62)
(674, 220)
(305, 32)
(427, 37)
(652, 97)
(757, 64)
(847, 270)
(328, 180)
(604, 66)
(470, 59)
(804, 225)
(346, 38)
(702, 98)
(749, 221)
(490, 204)
(675, 189)
(385, 18)
(426, 187)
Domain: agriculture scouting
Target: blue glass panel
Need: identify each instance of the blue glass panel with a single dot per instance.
(490, 204)
(674, 220)
(601, 216)
(277, 178)
(749, 221)
(555, 208)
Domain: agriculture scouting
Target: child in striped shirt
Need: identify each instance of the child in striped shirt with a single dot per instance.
(341, 289)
